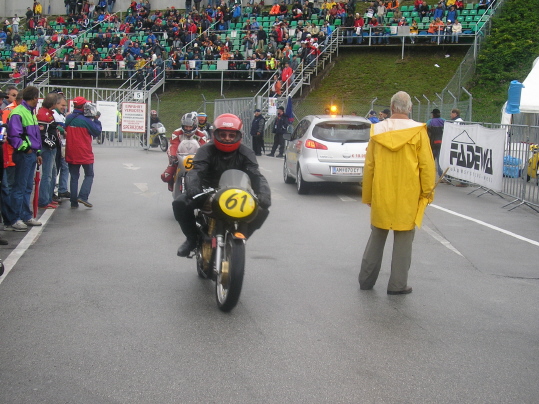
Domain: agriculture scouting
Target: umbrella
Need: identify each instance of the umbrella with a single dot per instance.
(423, 202)
(37, 180)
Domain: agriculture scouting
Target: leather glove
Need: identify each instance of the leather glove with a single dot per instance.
(264, 201)
(168, 174)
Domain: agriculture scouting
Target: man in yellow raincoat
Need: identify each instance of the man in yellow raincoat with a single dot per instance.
(398, 182)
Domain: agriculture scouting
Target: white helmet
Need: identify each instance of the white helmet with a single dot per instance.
(189, 119)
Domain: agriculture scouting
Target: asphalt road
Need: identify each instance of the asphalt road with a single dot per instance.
(97, 308)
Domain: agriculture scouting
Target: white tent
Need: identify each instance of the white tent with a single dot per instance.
(529, 101)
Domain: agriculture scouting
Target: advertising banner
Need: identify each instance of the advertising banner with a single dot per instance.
(474, 154)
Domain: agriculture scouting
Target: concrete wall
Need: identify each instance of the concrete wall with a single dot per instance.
(8, 8)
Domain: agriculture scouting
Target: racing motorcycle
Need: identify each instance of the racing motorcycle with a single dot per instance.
(186, 152)
(158, 137)
(222, 228)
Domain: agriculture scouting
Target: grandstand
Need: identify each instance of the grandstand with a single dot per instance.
(186, 56)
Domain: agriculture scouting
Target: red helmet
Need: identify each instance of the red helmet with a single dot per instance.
(228, 123)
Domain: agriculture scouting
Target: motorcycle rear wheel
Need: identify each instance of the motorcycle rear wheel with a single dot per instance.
(163, 143)
(230, 279)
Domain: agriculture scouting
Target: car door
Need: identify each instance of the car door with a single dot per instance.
(293, 148)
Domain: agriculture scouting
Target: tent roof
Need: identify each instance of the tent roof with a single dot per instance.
(529, 101)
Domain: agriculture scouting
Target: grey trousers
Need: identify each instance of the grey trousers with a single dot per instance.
(400, 261)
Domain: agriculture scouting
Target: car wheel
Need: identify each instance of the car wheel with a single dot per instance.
(286, 176)
(302, 185)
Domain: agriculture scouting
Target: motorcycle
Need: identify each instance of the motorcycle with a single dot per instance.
(158, 137)
(186, 152)
(533, 164)
(222, 228)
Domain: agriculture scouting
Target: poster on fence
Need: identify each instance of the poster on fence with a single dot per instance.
(272, 106)
(474, 154)
(108, 116)
(133, 117)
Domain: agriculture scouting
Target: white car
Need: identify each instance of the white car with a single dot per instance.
(326, 148)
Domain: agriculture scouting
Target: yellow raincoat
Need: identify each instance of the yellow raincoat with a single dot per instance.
(399, 175)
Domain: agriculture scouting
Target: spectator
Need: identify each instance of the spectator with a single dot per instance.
(398, 177)
(25, 138)
(435, 129)
(50, 143)
(280, 127)
(257, 132)
(456, 30)
(372, 116)
(384, 114)
(59, 117)
(81, 127)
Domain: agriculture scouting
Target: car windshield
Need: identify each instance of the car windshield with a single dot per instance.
(342, 131)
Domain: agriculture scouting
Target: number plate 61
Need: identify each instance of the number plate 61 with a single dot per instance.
(237, 203)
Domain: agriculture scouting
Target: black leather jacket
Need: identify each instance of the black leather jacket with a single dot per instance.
(210, 163)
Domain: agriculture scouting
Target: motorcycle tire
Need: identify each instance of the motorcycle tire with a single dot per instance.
(163, 142)
(230, 279)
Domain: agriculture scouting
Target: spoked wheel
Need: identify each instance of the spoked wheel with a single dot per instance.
(286, 176)
(302, 185)
(163, 143)
(230, 279)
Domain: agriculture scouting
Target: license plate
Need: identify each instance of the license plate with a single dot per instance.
(346, 170)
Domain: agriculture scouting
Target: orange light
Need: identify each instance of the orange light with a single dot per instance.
(333, 109)
(239, 235)
(311, 144)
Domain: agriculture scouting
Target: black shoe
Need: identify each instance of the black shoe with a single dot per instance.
(56, 198)
(186, 248)
(3, 241)
(279, 156)
(400, 292)
(66, 194)
(85, 203)
(270, 155)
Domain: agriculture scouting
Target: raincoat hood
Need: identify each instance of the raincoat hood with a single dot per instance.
(396, 139)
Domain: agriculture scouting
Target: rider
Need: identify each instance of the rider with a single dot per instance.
(187, 131)
(211, 160)
(203, 124)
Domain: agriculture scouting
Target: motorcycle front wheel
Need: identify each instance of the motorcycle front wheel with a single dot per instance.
(230, 279)
(163, 143)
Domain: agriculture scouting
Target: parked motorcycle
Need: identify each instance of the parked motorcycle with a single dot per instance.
(222, 227)
(533, 164)
(158, 137)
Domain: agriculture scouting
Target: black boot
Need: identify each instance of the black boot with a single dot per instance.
(188, 246)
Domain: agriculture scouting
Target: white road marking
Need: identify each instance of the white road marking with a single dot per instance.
(31, 236)
(490, 226)
(345, 198)
(143, 188)
(130, 166)
(441, 239)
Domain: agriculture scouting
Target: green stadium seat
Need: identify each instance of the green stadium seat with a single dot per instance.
(337, 22)
(406, 8)
(84, 67)
(469, 6)
(465, 12)
(314, 17)
(473, 12)
(469, 18)
(414, 14)
(90, 67)
(409, 21)
(477, 18)
(389, 14)
(213, 67)
(425, 20)
(406, 14)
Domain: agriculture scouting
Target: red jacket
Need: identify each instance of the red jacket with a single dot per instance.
(80, 131)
